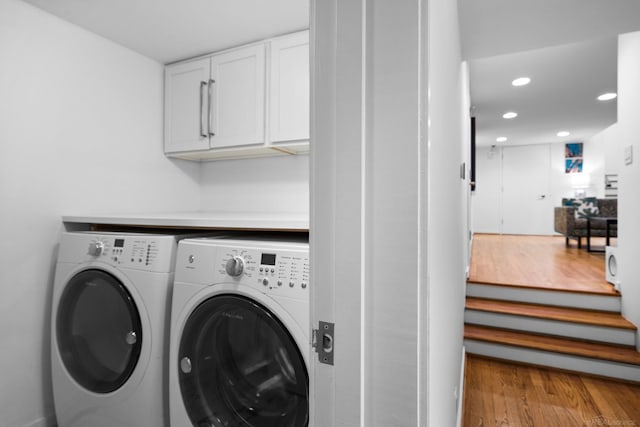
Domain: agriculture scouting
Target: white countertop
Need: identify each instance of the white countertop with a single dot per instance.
(227, 220)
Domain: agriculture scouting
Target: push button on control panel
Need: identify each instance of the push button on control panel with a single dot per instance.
(277, 270)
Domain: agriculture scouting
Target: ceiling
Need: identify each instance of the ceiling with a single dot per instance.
(569, 50)
(567, 47)
(171, 30)
(565, 82)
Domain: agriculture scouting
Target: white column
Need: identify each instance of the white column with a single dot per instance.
(367, 184)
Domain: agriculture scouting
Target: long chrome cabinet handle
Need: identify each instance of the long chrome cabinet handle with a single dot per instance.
(202, 85)
(210, 119)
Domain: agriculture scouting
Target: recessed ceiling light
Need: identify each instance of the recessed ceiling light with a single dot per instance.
(563, 133)
(521, 81)
(607, 96)
(510, 115)
(501, 138)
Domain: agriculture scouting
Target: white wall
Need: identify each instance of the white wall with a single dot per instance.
(80, 131)
(446, 235)
(595, 158)
(273, 185)
(614, 161)
(629, 198)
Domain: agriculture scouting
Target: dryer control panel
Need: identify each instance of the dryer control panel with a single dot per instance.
(125, 250)
(271, 267)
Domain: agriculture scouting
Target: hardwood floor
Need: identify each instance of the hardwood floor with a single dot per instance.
(537, 261)
(501, 394)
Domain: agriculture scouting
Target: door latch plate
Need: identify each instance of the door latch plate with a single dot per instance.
(323, 342)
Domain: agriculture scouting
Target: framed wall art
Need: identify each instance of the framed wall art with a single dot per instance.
(573, 155)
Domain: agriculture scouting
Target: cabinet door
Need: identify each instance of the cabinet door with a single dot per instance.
(289, 107)
(185, 121)
(238, 97)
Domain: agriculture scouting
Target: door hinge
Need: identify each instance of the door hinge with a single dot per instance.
(323, 342)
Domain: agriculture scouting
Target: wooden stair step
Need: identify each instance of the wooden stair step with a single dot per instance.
(593, 288)
(607, 352)
(565, 314)
(555, 297)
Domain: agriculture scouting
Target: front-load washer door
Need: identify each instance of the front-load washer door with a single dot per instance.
(239, 366)
(98, 331)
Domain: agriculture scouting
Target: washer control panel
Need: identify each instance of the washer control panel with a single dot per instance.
(271, 267)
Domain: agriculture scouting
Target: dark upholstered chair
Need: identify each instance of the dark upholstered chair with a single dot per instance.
(566, 223)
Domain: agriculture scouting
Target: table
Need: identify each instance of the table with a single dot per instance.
(609, 221)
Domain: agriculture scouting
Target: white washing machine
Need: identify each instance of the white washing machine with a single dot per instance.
(240, 334)
(109, 329)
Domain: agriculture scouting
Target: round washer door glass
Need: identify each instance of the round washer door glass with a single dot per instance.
(239, 366)
(98, 331)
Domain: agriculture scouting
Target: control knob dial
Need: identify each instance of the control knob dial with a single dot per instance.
(235, 266)
(96, 248)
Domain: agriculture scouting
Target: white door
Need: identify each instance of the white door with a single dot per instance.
(289, 110)
(527, 206)
(185, 122)
(487, 198)
(238, 97)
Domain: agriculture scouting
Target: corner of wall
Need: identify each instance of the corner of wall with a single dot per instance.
(461, 388)
(629, 198)
(46, 421)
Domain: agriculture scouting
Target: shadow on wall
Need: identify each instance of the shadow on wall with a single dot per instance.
(189, 168)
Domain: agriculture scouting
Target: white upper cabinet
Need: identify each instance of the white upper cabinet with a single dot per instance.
(289, 106)
(186, 121)
(244, 102)
(237, 97)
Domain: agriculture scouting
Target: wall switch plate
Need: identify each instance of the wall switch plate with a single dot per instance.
(628, 154)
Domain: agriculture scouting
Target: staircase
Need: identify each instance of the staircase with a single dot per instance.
(576, 331)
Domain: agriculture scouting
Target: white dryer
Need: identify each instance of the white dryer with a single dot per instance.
(240, 338)
(109, 329)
